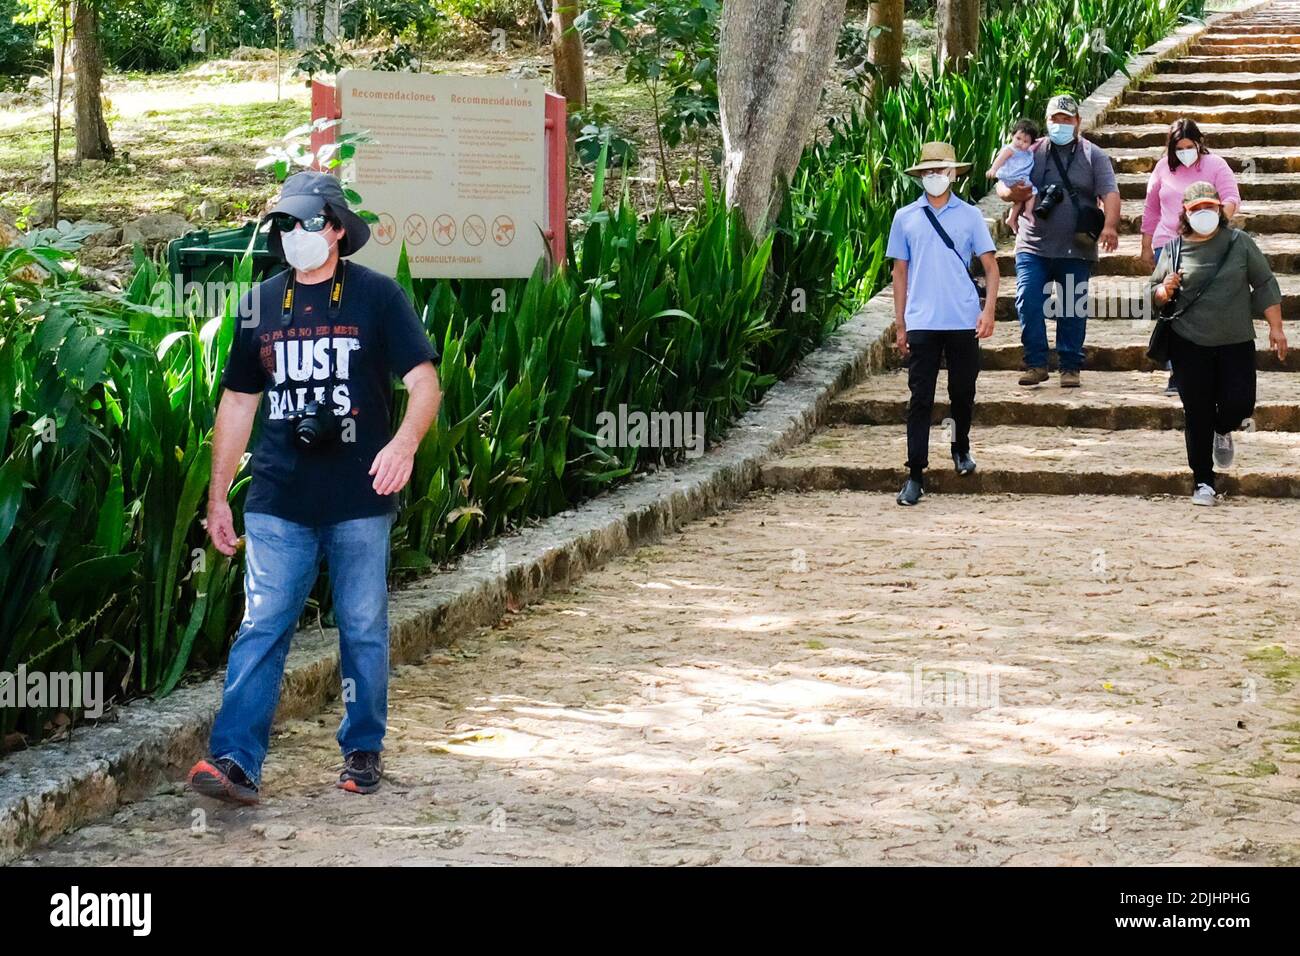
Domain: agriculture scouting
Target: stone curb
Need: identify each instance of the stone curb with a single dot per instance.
(1092, 111)
(56, 787)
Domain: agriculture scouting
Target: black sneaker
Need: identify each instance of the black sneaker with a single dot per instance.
(964, 463)
(222, 779)
(911, 493)
(362, 770)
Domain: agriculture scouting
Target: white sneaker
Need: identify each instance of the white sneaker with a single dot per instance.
(1223, 450)
(1204, 495)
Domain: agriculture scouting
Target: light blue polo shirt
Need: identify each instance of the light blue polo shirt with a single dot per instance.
(940, 295)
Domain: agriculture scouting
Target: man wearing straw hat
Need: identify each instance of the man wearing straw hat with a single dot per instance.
(937, 309)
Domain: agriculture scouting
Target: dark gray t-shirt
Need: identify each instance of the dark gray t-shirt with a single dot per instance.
(1245, 286)
(1092, 175)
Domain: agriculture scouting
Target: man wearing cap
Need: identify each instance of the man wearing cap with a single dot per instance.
(1059, 243)
(937, 311)
(316, 349)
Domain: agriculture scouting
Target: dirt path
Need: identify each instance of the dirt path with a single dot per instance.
(744, 693)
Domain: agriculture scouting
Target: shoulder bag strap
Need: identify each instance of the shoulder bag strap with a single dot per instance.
(1232, 238)
(947, 240)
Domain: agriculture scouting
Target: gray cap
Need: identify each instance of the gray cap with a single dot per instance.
(1062, 103)
(308, 194)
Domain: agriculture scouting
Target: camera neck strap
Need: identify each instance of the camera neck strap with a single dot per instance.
(335, 299)
(1064, 170)
(332, 312)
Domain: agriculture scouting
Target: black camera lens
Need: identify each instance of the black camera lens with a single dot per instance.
(316, 428)
(1049, 200)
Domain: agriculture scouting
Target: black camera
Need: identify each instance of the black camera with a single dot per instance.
(315, 428)
(1049, 199)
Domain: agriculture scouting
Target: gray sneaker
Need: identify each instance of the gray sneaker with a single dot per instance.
(1223, 451)
(1204, 495)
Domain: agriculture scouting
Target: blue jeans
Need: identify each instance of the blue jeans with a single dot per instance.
(282, 559)
(1033, 276)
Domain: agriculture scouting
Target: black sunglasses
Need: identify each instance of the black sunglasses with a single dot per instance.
(285, 223)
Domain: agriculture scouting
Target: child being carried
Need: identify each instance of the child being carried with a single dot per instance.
(1013, 165)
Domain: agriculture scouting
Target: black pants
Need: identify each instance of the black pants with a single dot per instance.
(962, 351)
(1217, 387)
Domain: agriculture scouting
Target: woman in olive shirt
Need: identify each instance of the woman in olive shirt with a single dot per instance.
(1212, 344)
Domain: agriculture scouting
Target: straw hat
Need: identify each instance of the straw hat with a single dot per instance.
(937, 156)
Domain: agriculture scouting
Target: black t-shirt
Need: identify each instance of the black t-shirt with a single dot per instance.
(375, 337)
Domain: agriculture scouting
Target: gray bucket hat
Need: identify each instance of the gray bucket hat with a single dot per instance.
(310, 193)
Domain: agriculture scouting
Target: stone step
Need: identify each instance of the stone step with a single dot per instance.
(1276, 80)
(1275, 186)
(1116, 400)
(1231, 63)
(1119, 298)
(1281, 248)
(1245, 160)
(1121, 347)
(1183, 98)
(1026, 459)
(1255, 216)
(1218, 135)
(1286, 114)
(1235, 39)
(1284, 46)
(1285, 23)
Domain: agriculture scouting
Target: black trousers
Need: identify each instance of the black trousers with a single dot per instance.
(1217, 387)
(961, 350)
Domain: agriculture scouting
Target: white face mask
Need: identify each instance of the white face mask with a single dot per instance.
(1187, 156)
(1204, 221)
(936, 184)
(305, 250)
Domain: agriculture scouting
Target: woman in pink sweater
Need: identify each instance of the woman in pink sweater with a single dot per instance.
(1186, 161)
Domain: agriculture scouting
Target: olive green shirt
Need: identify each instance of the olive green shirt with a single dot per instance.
(1224, 313)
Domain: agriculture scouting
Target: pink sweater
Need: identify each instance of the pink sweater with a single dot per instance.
(1165, 193)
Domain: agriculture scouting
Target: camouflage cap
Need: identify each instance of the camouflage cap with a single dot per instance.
(1198, 192)
(1062, 103)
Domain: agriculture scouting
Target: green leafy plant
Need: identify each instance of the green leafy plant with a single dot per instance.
(671, 47)
(595, 130)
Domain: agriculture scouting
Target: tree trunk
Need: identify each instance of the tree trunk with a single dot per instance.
(772, 61)
(886, 53)
(958, 28)
(974, 14)
(92, 132)
(566, 50)
(330, 30)
(304, 24)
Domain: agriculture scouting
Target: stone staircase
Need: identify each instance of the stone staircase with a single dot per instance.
(1118, 434)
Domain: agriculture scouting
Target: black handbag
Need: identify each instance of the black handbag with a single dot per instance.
(1087, 219)
(974, 269)
(1158, 345)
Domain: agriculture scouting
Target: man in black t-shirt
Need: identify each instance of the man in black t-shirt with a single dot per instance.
(313, 359)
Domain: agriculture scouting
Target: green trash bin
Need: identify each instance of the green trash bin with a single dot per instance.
(203, 255)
